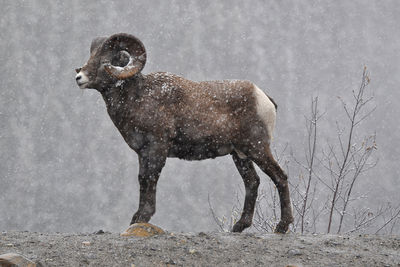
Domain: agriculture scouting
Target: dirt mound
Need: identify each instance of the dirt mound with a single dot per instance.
(202, 249)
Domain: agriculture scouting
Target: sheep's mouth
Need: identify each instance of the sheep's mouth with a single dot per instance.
(82, 85)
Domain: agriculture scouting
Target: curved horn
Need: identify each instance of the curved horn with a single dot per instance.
(129, 46)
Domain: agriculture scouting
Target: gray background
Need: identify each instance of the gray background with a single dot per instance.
(65, 167)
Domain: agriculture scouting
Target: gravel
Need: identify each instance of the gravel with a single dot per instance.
(202, 249)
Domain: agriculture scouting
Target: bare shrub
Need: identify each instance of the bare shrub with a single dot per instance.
(326, 175)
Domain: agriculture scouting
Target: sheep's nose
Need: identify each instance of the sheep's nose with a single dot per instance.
(81, 79)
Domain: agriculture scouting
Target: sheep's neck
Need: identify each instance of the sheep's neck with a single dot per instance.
(120, 99)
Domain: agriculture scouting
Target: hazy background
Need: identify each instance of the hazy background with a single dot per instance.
(65, 167)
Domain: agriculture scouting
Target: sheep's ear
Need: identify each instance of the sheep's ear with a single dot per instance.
(96, 43)
(130, 48)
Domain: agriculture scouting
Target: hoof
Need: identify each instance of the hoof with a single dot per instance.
(143, 230)
(282, 228)
(239, 227)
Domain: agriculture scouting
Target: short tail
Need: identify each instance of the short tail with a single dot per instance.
(273, 102)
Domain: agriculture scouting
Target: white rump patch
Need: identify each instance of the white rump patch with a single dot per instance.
(265, 110)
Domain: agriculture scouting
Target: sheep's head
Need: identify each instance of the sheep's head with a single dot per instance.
(118, 57)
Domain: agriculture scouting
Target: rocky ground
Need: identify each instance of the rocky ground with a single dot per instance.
(202, 249)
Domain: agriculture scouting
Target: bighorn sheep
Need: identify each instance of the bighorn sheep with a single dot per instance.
(163, 115)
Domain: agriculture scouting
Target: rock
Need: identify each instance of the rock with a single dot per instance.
(143, 230)
(170, 262)
(294, 252)
(86, 243)
(12, 259)
(202, 234)
(91, 256)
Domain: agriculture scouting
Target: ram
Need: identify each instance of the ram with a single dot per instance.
(163, 115)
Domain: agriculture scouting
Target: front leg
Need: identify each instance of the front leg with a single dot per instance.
(151, 161)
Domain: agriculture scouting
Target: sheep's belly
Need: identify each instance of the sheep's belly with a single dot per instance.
(199, 151)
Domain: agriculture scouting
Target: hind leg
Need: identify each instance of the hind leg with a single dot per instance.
(264, 159)
(251, 183)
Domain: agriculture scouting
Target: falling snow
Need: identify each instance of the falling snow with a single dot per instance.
(65, 167)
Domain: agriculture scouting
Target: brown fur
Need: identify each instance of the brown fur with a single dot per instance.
(163, 115)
